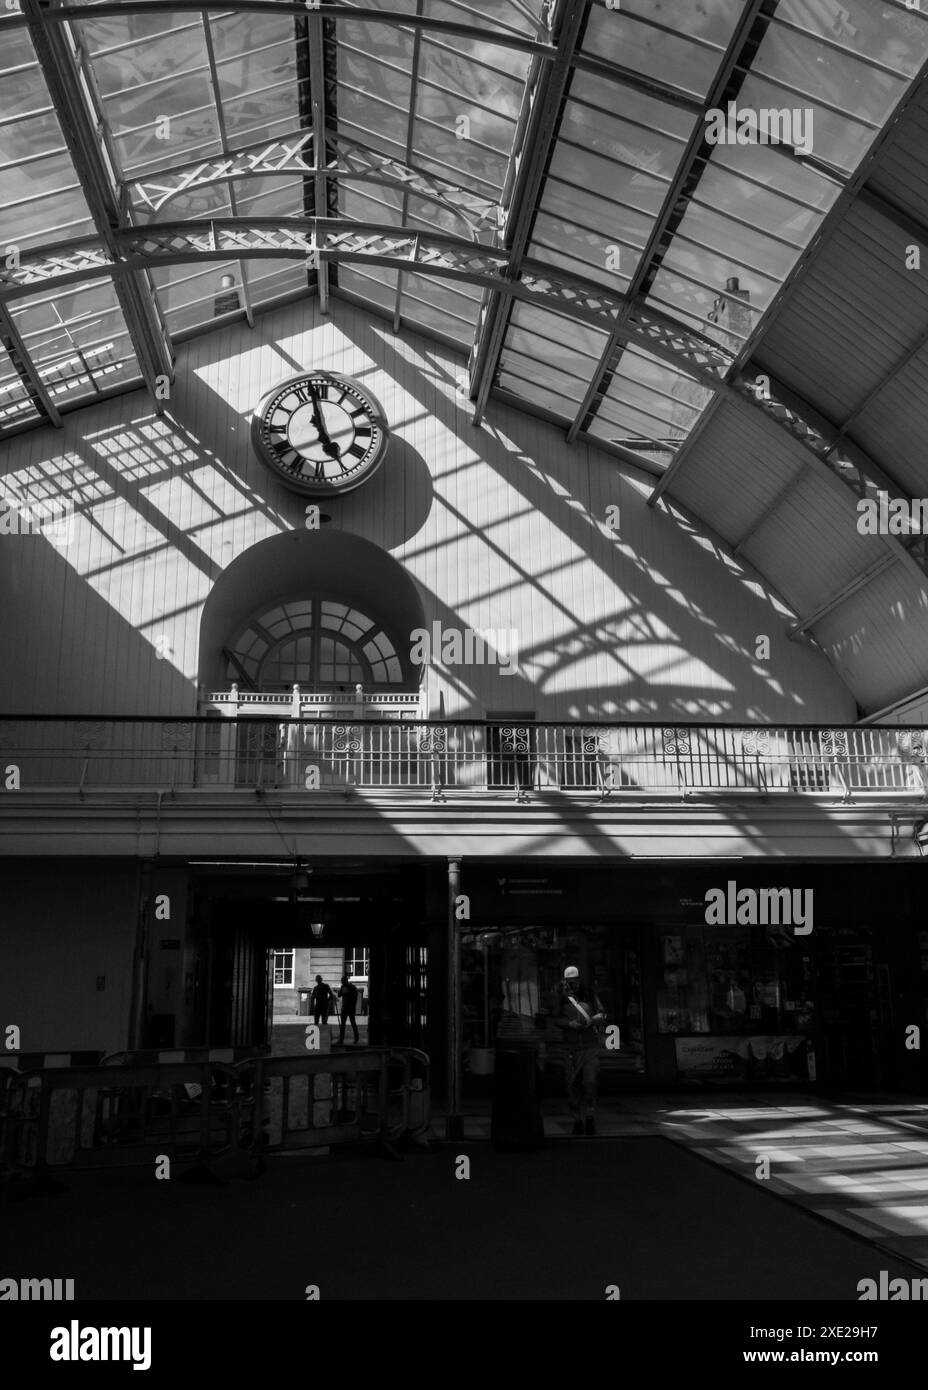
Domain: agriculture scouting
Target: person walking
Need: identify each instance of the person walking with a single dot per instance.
(348, 994)
(321, 1001)
(580, 1016)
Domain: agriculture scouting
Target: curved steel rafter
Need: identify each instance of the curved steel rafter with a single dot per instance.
(452, 28)
(427, 252)
(293, 154)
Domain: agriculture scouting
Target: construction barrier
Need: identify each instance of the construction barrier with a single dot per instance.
(327, 1098)
(129, 1112)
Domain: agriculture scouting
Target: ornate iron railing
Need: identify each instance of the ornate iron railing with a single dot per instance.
(267, 750)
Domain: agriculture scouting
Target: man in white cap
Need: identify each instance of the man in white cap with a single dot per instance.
(581, 1017)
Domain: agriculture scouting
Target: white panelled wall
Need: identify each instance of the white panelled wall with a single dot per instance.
(504, 526)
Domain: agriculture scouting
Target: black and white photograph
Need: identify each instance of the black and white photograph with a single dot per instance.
(464, 681)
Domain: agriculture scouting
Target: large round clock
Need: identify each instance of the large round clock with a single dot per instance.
(323, 434)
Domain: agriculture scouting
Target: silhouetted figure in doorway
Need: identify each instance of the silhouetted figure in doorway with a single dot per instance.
(348, 994)
(321, 1000)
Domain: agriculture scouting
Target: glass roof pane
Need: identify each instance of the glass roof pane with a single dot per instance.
(15, 401)
(376, 288)
(601, 256)
(235, 34)
(191, 295)
(541, 396)
(885, 32)
(835, 138)
(555, 378)
(269, 280)
(77, 338)
(40, 198)
(371, 202)
(826, 73)
(655, 454)
(623, 37)
(634, 187)
(554, 337)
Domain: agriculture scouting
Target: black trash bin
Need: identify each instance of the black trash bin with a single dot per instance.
(304, 1002)
(516, 1117)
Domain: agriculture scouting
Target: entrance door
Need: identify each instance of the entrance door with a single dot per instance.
(241, 980)
(417, 974)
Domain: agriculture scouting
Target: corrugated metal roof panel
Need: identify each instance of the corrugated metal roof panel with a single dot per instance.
(894, 428)
(900, 173)
(736, 468)
(810, 546)
(851, 318)
(878, 639)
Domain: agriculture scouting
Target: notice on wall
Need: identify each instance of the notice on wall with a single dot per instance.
(742, 1058)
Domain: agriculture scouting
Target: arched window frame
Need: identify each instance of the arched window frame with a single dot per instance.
(326, 616)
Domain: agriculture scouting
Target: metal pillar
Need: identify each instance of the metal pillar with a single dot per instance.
(140, 960)
(454, 1123)
(320, 152)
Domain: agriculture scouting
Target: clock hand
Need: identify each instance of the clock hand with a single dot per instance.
(329, 448)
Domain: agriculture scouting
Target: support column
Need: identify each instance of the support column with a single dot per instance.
(140, 959)
(454, 1123)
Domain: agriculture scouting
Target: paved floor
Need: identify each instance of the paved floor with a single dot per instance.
(859, 1162)
(565, 1223)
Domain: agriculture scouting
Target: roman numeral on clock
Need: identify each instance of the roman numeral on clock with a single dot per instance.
(357, 451)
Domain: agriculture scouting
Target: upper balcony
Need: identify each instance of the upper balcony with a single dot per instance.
(381, 744)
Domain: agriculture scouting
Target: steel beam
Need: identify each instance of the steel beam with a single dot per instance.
(410, 142)
(295, 154)
(19, 356)
(223, 136)
(70, 95)
(772, 506)
(453, 28)
(859, 581)
(315, 41)
(544, 101)
(906, 221)
(728, 82)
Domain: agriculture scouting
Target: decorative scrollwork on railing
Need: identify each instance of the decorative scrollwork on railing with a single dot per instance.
(755, 742)
(346, 738)
(911, 742)
(834, 743)
(594, 741)
(433, 741)
(513, 739)
(676, 740)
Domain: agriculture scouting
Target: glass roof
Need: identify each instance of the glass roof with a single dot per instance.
(428, 116)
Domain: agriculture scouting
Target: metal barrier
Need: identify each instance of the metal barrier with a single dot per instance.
(113, 1116)
(125, 1113)
(327, 1098)
(267, 752)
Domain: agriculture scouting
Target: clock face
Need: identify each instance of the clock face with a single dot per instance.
(324, 434)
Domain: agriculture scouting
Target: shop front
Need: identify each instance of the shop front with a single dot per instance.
(692, 1002)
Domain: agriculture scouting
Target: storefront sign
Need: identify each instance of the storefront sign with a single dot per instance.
(742, 1057)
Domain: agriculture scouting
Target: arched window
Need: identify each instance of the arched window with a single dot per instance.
(315, 643)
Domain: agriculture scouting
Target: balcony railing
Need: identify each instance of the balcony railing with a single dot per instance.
(258, 752)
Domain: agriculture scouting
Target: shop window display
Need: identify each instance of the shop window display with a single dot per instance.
(739, 1001)
(510, 977)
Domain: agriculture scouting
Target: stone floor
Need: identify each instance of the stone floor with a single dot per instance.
(860, 1163)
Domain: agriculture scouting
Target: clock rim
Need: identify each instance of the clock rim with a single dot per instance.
(312, 488)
